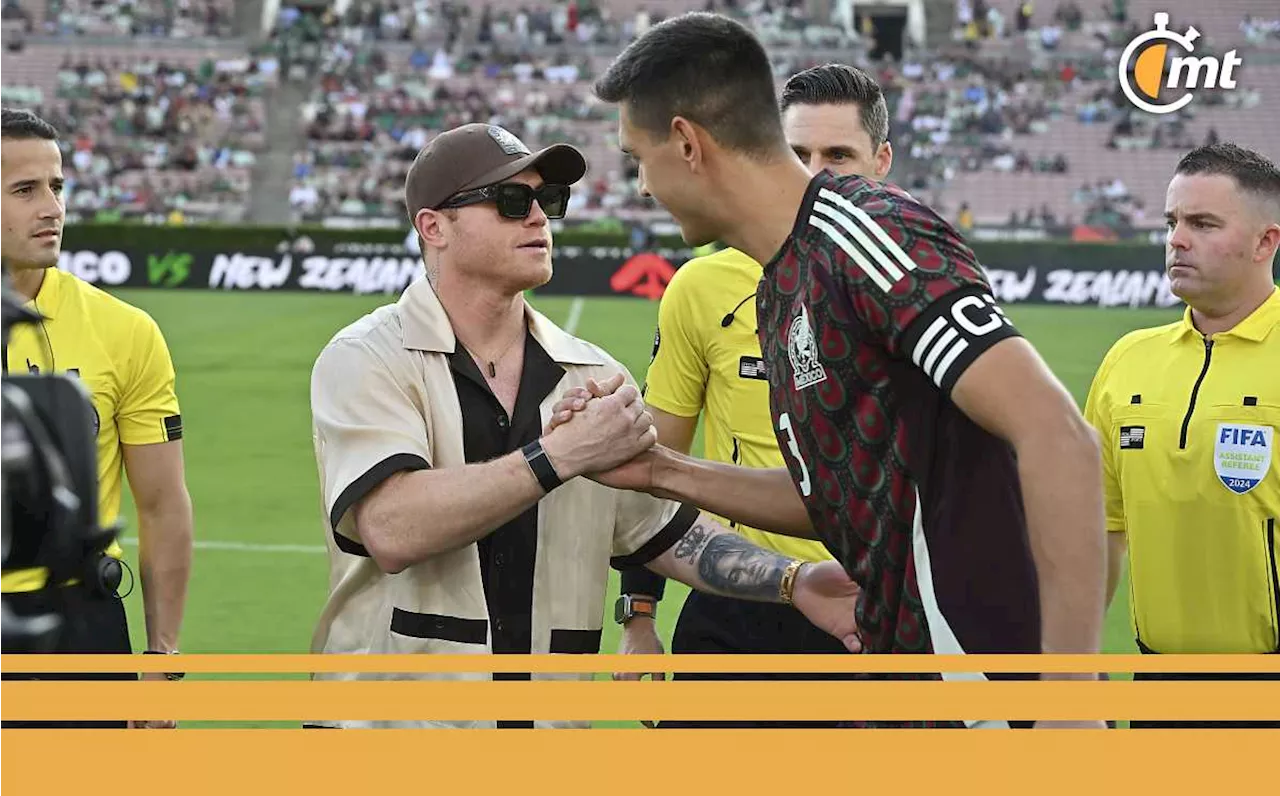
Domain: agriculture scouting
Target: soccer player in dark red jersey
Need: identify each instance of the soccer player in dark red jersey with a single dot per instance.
(927, 444)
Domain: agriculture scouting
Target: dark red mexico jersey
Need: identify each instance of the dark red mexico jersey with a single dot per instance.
(868, 316)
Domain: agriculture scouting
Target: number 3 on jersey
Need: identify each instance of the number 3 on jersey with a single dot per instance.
(784, 425)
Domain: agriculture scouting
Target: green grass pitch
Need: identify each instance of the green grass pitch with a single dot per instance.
(244, 361)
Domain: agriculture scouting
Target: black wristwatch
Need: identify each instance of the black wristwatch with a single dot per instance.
(167, 675)
(541, 466)
(629, 606)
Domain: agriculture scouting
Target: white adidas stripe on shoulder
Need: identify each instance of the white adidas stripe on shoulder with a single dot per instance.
(883, 261)
(840, 240)
(840, 219)
(890, 245)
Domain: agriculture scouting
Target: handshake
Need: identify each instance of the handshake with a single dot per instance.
(604, 432)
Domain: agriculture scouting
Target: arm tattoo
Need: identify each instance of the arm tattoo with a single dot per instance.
(732, 566)
(692, 541)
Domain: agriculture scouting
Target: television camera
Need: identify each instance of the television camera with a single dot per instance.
(48, 492)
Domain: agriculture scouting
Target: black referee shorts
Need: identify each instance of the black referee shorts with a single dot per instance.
(710, 624)
(95, 624)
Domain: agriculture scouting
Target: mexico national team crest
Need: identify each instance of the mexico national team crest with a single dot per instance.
(1242, 455)
(803, 350)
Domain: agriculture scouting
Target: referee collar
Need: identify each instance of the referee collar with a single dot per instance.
(48, 300)
(1255, 327)
(426, 328)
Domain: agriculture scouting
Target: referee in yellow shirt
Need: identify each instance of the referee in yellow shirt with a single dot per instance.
(119, 354)
(1189, 415)
(706, 361)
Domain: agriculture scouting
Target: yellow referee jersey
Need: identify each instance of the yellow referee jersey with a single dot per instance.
(700, 362)
(118, 352)
(1192, 476)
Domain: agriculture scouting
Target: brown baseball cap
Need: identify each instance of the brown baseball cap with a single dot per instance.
(476, 155)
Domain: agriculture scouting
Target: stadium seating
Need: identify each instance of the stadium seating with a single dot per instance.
(367, 115)
(174, 19)
(398, 76)
(1012, 122)
(167, 133)
(1092, 127)
(172, 131)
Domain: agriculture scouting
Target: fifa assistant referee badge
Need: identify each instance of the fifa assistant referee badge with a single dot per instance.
(541, 466)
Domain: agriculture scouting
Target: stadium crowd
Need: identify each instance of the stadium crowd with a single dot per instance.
(1020, 94)
(369, 113)
(154, 138)
(963, 111)
(173, 19)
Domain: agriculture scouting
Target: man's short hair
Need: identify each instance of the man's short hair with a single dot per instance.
(1251, 171)
(841, 84)
(707, 68)
(25, 125)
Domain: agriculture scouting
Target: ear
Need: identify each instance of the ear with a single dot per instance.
(1268, 243)
(690, 139)
(883, 161)
(432, 227)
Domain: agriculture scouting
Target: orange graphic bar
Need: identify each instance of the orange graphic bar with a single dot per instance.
(599, 664)
(675, 762)
(451, 700)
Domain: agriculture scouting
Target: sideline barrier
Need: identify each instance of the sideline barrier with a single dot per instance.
(1102, 275)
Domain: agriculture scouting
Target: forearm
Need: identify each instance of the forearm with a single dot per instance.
(415, 515)
(714, 559)
(1062, 492)
(760, 498)
(164, 562)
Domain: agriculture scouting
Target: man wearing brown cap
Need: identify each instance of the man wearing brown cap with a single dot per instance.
(454, 524)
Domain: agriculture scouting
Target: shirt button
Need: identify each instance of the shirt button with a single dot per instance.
(503, 422)
(497, 625)
(499, 559)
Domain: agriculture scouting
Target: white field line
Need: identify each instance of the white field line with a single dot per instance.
(575, 315)
(249, 547)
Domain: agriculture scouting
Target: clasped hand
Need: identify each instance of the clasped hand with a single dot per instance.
(600, 431)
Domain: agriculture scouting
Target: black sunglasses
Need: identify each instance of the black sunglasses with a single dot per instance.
(515, 200)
